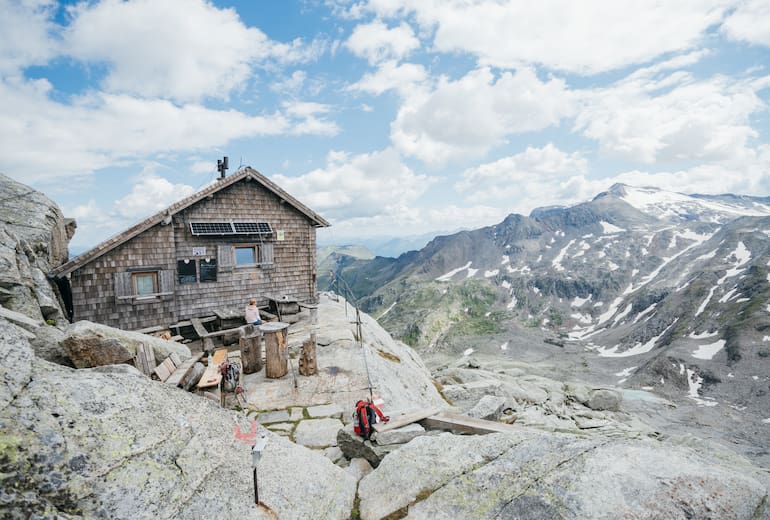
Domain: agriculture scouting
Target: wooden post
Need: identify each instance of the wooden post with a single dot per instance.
(251, 353)
(307, 359)
(276, 354)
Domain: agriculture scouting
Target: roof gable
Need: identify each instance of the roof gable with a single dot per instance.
(244, 174)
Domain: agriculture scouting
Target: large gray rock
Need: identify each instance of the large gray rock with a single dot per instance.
(533, 476)
(110, 443)
(489, 407)
(317, 433)
(354, 446)
(604, 399)
(91, 344)
(33, 240)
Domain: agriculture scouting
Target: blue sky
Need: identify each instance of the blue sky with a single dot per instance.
(388, 117)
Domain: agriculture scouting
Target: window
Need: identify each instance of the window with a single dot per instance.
(145, 284)
(245, 255)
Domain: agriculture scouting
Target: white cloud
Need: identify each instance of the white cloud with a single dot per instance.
(25, 34)
(581, 37)
(364, 185)
(467, 117)
(175, 49)
(750, 22)
(649, 118)
(390, 75)
(376, 42)
(149, 195)
(533, 177)
(45, 139)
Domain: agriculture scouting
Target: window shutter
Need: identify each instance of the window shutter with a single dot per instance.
(266, 255)
(166, 282)
(123, 287)
(225, 258)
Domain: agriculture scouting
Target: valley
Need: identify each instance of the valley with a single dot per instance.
(637, 289)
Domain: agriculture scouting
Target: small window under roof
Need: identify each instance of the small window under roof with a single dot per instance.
(230, 228)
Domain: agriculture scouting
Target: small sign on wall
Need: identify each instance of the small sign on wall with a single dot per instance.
(199, 251)
(279, 235)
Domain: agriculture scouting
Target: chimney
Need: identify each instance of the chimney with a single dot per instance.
(221, 167)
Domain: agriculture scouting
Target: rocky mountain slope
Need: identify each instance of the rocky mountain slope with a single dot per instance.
(108, 442)
(639, 287)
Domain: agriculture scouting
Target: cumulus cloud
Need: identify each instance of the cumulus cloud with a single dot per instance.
(49, 139)
(152, 50)
(26, 34)
(376, 42)
(670, 118)
(390, 75)
(150, 194)
(352, 186)
(749, 23)
(580, 37)
(467, 117)
(530, 177)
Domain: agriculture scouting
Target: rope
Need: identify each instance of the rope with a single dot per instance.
(359, 330)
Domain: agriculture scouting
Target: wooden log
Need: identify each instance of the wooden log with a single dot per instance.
(276, 352)
(463, 424)
(307, 358)
(182, 370)
(193, 376)
(251, 353)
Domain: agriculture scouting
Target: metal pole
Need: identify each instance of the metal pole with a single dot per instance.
(256, 489)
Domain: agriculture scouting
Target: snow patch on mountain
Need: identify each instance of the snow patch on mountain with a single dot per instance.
(710, 350)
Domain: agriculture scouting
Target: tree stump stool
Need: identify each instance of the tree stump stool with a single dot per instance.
(276, 349)
(307, 360)
(251, 350)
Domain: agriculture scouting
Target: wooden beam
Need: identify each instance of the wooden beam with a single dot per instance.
(402, 420)
(464, 424)
(200, 330)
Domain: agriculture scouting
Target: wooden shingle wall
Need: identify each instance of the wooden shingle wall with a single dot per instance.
(293, 272)
(93, 285)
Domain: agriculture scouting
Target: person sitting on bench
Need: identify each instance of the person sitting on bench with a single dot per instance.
(252, 313)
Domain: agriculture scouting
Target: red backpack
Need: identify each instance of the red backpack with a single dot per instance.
(365, 416)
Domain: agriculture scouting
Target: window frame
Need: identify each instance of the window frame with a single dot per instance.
(136, 276)
(255, 255)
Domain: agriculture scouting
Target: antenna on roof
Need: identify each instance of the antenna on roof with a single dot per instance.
(222, 166)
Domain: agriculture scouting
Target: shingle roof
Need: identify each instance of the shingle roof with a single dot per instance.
(245, 173)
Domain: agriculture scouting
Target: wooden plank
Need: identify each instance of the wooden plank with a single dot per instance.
(212, 376)
(175, 358)
(200, 330)
(145, 359)
(164, 370)
(183, 369)
(402, 420)
(464, 424)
